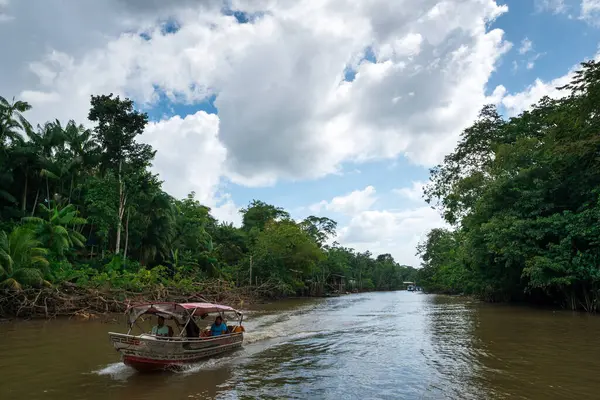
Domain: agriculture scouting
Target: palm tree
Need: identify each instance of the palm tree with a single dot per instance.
(83, 151)
(12, 120)
(12, 124)
(159, 227)
(22, 259)
(44, 142)
(55, 233)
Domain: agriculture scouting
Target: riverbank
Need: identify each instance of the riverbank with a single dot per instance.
(69, 300)
(74, 301)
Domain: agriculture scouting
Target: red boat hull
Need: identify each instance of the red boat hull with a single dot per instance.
(147, 353)
(142, 364)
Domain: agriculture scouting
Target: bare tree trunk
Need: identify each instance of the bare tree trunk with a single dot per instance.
(126, 235)
(71, 189)
(24, 202)
(122, 203)
(48, 191)
(360, 279)
(35, 202)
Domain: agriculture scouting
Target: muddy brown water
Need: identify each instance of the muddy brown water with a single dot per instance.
(395, 345)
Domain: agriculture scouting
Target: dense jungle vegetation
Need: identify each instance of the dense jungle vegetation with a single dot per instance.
(82, 206)
(522, 197)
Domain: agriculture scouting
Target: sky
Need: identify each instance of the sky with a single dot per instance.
(335, 108)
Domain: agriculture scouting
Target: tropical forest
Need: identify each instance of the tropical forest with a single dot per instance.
(521, 197)
(83, 216)
(86, 226)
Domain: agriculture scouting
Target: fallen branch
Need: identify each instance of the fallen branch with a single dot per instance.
(71, 300)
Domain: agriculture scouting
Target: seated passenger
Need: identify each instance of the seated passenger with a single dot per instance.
(192, 330)
(160, 329)
(219, 327)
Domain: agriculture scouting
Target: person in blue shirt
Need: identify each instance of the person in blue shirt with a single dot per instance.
(219, 327)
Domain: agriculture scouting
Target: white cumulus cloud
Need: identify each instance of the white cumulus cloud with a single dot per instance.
(396, 232)
(190, 155)
(349, 204)
(518, 102)
(590, 11)
(526, 46)
(554, 6)
(393, 231)
(412, 193)
(285, 111)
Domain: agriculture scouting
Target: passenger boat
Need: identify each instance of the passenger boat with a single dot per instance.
(148, 352)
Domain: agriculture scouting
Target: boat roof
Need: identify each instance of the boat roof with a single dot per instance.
(176, 310)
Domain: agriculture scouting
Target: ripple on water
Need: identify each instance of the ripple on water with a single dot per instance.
(382, 345)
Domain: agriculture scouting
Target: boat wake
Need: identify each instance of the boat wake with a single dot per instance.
(117, 371)
(213, 363)
(264, 331)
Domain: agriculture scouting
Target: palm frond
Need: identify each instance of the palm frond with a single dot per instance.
(11, 283)
(6, 263)
(7, 196)
(78, 221)
(25, 125)
(39, 251)
(76, 242)
(61, 231)
(68, 209)
(29, 276)
(48, 174)
(40, 261)
(44, 209)
(3, 241)
(33, 220)
(21, 106)
(77, 236)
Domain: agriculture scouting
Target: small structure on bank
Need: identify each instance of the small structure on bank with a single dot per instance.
(337, 283)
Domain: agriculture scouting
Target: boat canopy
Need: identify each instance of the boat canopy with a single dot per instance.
(179, 311)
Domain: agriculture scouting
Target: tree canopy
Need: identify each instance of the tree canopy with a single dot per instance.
(83, 206)
(523, 198)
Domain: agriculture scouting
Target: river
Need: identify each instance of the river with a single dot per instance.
(393, 345)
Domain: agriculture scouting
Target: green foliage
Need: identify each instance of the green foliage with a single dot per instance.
(22, 259)
(523, 196)
(283, 250)
(118, 125)
(56, 231)
(319, 228)
(84, 208)
(258, 214)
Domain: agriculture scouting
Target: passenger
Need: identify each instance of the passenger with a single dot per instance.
(219, 327)
(160, 329)
(192, 330)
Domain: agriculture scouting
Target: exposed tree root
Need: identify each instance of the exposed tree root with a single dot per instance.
(86, 303)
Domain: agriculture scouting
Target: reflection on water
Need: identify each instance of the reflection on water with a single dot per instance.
(395, 345)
